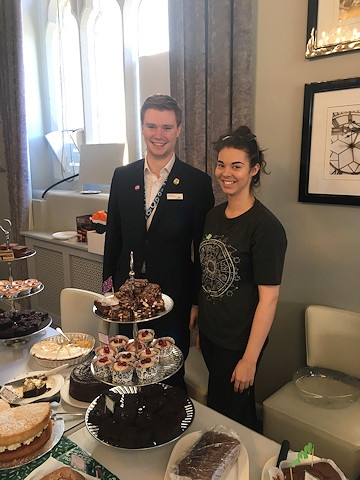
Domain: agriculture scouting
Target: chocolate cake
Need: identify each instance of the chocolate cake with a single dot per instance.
(83, 385)
(140, 420)
(144, 302)
(19, 323)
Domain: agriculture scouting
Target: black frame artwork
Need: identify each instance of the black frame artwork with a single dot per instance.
(330, 148)
(331, 29)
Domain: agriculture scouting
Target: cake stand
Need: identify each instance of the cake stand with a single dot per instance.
(168, 304)
(169, 363)
(128, 390)
(19, 340)
(168, 366)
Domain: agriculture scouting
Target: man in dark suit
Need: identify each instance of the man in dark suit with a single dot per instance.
(157, 207)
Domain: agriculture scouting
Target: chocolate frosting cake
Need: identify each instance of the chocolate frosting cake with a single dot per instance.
(83, 385)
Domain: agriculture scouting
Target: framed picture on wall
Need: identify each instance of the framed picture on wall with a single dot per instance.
(330, 148)
(333, 26)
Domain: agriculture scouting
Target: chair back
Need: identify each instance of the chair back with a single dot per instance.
(333, 339)
(76, 313)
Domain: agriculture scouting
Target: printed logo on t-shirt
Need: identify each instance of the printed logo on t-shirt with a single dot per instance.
(219, 266)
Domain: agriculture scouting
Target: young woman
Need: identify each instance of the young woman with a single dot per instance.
(242, 256)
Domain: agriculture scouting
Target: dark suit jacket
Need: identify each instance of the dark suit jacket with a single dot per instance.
(166, 247)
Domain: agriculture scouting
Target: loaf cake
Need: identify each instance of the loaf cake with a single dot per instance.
(24, 430)
(210, 456)
(83, 386)
(145, 301)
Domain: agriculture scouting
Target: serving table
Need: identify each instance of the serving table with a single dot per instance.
(16, 360)
(152, 463)
(149, 464)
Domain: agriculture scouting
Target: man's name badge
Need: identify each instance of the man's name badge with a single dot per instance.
(175, 196)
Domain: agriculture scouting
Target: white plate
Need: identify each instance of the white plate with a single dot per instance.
(239, 471)
(64, 235)
(53, 383)
(64, 393)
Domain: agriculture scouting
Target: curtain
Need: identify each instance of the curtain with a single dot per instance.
(12, 110)
(210, 74)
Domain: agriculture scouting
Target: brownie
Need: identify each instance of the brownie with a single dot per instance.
(144, 301)
(139, 420)
(19, 323)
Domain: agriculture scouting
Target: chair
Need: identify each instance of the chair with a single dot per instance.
(196, 375)
(76, 313)
(333, 342)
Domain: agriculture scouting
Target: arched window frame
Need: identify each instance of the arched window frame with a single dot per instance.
(83, 10)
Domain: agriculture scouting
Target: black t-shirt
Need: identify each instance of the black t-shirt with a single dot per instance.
(237, 255)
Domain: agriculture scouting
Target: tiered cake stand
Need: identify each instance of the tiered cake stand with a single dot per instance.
(25, 338)
(168, 365)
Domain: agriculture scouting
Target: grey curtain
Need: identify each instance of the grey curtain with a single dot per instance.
(12, 110)
(210, 73)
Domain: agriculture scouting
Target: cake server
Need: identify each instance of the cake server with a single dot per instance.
(59, 330)
(20, 381)
(284, 450)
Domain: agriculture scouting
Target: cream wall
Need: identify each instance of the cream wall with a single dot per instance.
(323, 261)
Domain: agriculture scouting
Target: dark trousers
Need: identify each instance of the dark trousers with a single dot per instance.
(221, 396)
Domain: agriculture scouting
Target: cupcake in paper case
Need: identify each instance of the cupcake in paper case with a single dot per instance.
(103, 367)
(119, 342)
(105, 350)
(149, 352)
(24, 289)
(164, 345)
(130, 347)
(146, 335)
(146, 368)
(34, 283)
(122, 372)
(11, 292)
(126, 357)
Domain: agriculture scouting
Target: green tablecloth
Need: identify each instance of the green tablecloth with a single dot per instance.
(62, 452)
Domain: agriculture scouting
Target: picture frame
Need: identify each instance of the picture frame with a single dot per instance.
(333, 26)
(330, 147)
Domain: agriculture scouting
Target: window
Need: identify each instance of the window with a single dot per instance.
(93, 71)
(153, 33)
